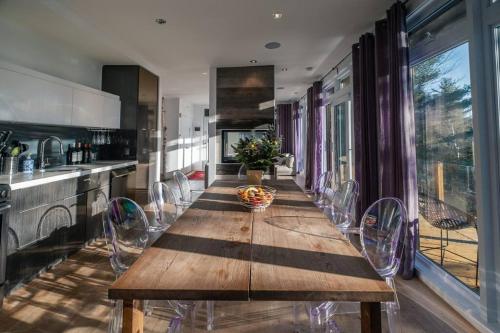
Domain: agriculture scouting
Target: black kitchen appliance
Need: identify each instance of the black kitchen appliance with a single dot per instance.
(4, 213)
(123, 182)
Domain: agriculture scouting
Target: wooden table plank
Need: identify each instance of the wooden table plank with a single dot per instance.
(204, 255)
(297, 254)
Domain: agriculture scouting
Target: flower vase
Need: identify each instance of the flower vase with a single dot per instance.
(254, 177)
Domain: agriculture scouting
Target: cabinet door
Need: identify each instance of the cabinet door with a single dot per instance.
(97, 203)
(87, 108)
(25, 98)
(111, 112)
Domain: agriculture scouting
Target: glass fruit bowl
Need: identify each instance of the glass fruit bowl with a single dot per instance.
(255, 196)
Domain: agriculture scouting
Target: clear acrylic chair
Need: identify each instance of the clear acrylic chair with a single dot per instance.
(126, 229)
(343, 205)
(383, 233)
(242, 172)
(165, 206)
(186, 193)
(324, 182)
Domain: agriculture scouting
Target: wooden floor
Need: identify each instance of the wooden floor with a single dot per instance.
(72, 298)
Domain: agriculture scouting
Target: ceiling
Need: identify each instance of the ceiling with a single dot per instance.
(200, 34)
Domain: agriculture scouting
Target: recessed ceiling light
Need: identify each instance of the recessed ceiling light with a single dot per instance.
(204, 73)
(280, 88)
(277, 15)
(272, 45)
(161, 20)
(253, 61)
(310, 68)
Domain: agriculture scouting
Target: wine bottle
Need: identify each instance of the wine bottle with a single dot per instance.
(74, 155)
(69, 154)
(79, 153)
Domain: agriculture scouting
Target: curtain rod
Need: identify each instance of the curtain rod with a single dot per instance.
(331, 70)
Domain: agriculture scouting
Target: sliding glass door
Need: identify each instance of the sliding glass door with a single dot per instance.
(338, 94)
(341, 142)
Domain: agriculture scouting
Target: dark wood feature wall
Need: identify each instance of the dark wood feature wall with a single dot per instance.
(245, 100)
(245, 97)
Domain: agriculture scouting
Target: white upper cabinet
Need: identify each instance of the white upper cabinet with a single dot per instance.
(31, 97)
(24, 98)
(87, 108)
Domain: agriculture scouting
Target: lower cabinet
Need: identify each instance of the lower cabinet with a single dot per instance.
(47, 223)
(40, 237)
(97, 202)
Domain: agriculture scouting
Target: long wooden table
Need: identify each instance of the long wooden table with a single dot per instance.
(219, 250)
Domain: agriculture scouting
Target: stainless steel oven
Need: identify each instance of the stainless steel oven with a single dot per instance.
(4, 231)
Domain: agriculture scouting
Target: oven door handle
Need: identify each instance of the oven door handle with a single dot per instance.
(123, 175)
(3, 208)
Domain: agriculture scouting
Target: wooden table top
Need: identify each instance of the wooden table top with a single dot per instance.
(219, 250)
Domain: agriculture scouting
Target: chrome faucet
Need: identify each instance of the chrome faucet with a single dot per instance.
(41, 151)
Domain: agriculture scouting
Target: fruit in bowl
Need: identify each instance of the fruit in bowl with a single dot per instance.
(256, 196)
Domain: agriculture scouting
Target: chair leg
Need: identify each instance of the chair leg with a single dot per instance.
(175, 325)
(477, 266)
(296, 315)
(115, 322)
(210, 315)
(192, 314)
(392, 309)
(441, 246)
(314, 319)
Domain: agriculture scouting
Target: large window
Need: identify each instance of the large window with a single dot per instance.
(444, 146)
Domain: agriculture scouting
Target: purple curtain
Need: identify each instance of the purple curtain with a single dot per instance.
(385, 158)
(314, 134)
(297, 123)
(396, 144)
(285, 127)
(365, 122)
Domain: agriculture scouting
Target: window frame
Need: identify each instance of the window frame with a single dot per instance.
(481, 310)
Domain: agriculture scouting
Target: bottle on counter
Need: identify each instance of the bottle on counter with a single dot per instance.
(79, 153)
(69, 154)
(86, 155)
(74, 155)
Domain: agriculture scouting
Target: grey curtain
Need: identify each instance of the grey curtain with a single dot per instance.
(285, 127)
(314, 135)
(385, 158)
(396, 144)
(365, 122)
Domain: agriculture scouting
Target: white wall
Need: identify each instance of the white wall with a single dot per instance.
(183, 144)
(171, 151)
(26, 48)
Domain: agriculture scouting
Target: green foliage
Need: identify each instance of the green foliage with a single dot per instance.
(258, 154)
(443, 115)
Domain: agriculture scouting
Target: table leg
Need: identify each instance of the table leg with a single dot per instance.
(370, 317)
(133, 316)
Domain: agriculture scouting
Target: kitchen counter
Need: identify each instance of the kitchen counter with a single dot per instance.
(25, 180)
